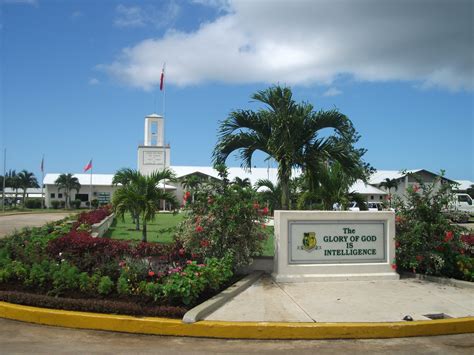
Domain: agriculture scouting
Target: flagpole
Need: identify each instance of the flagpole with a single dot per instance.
(4, 177)
(90, 200)
(164, 138)
(42, 183)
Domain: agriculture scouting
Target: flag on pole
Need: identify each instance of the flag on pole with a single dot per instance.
(42, 165)
(88, 166)
(162, 79)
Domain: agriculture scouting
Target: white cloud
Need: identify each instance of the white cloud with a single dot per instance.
(332, 92)
(94, 81)
(311, 42)
(137, 16)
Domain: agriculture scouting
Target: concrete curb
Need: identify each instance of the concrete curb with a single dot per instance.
(204, 309)
(235, 330)
(440, 280)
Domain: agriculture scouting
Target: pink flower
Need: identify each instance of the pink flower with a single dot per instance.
(415, 188)
(151, 273)
(189, 262)
(204, 243)
(199, 229)
(181, 252)
(265, 210)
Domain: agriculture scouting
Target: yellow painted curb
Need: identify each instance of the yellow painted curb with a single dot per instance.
(241, 330)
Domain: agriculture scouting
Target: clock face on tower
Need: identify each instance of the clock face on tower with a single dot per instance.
(153, 158)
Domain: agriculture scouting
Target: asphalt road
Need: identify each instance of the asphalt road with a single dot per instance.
(24, 338)
(10, 223)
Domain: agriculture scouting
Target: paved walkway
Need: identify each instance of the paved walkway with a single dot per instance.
(349, 301)
(23, 338)
(10, 223)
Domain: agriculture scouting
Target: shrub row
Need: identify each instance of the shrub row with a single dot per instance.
(91, 305)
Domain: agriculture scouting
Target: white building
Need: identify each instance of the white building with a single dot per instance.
(156, 155)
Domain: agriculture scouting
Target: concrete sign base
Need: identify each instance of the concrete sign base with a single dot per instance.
(333, 245)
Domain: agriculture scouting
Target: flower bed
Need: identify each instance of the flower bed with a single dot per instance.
(63, 259)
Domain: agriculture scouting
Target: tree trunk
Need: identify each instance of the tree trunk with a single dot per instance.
(137, 222)
(24, 198)
(144, 232)
(284, 176)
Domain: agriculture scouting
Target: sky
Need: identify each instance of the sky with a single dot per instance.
(78, 77)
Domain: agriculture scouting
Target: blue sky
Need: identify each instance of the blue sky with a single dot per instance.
(78, 77)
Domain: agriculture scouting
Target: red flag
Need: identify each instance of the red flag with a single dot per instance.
(88, 166)
(162, 79)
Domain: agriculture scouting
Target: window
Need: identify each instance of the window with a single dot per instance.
(465, 199)
(52, 195)
(60, 195)
(380, 198)
(372, 197)
(82, 197)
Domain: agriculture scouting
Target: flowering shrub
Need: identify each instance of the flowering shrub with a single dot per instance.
(426, 240)
(224, 218)
(92, 217)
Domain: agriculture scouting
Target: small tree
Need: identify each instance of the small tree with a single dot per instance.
(426, 240)
(223, 218)
(12, 181)
(68, 183)
(26, 180)
(141, 196)
(389, 184)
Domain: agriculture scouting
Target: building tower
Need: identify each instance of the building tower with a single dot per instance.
(153, 154)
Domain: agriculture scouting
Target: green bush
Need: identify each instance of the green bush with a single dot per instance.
(65, 278)
(33, 203)
(39, 274)
(105, 285)
(222, 217)
(76, 204)
(95, 203)
(55, 204)
(426, 241)
(123, 287)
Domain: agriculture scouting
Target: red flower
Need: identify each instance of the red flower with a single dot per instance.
(398, 219)
(419, 258)
(181, 252)
(187, 195)
(199, 229)
(189, 262)
(415, 188)
(449, 236)
(265, 210)
(194, 256)
(397, 244)
(151, 273)
(439, 248)
(256, 205)
(394, 266)
(204, 243)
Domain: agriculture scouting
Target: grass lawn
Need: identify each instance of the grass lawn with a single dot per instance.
(162, 230)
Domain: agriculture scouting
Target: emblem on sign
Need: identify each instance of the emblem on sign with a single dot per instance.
(309, 241)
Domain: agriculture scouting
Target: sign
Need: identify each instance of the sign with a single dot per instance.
(103, 197)
(153, 158)
(334, 242)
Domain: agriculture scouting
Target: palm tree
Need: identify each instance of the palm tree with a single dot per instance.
(142, 195)
(389, 184)
(124, 177)
(12, 181)
(243, 183)
(271, 194)
(192, 183)
(67, 182)
(26, 180)
(289, 132)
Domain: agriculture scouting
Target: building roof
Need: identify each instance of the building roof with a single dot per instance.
(463, 184)
(380, 175)
(361, 187)
(254, 175)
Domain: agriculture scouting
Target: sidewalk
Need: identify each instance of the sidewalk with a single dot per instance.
(348, 301)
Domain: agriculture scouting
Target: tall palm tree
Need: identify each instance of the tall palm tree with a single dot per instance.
(142, 196)
(389, 184)
(68, 183)
(26, 180)
(290, 133)
(12, 181)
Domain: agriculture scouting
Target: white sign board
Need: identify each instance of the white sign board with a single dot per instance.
(324, 242)
(153, 158)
